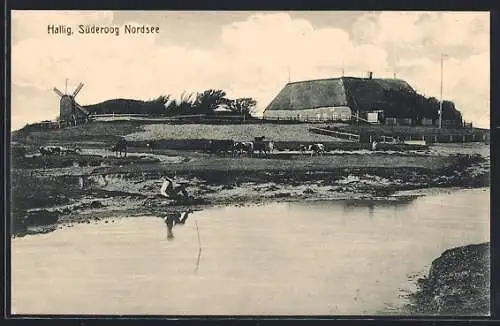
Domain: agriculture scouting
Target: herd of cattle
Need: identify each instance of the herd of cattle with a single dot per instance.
(119, 148)
(259, 145)
(58, 150)
(245, 147)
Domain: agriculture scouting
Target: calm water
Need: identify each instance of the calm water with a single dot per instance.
(333, 257)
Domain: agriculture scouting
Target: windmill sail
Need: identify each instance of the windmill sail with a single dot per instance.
(58, 92)
(70, 112)
(77, 89)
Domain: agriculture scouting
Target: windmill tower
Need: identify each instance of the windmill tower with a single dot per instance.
(70, 112)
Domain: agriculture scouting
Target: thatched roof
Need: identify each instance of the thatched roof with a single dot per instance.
(373, 94)
(350, 91)
(394, 96)
(310, 94)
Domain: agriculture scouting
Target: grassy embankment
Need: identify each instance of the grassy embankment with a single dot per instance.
(458, 283)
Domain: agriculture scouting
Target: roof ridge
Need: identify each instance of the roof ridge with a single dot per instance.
(343, 78)
(312, 80)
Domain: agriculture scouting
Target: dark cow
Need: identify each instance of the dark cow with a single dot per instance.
(262, 146)
(220, 146)
(120, 147)
(57, 150)
(44, 151)
(244, 147)
(318, 149)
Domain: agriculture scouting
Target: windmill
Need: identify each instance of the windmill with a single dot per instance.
(70, 112)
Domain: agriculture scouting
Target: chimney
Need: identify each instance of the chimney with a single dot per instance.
(370, 75)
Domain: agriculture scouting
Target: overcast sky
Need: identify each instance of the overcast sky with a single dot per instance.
(248, 54)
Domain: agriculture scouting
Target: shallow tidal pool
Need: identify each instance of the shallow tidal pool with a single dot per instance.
(301, 258)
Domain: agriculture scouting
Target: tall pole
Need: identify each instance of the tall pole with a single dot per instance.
(441, 100)
(288, 71)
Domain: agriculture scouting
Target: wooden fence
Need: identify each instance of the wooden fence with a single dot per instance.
(338, 134)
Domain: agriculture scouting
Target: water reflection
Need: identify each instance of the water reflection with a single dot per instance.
(288, 258)
(371, 208)
(175, 218)
(179, 218)
(371, 203)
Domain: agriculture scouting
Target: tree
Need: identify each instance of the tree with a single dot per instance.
(162, 99)
(186, 104)
(207, 101)
(244, 106)
(183, 107)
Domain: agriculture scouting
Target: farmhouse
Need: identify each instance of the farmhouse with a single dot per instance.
(311, 100)
(375, 100)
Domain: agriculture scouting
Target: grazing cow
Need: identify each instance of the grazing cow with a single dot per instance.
(44, 151)
(262, 146)
(318, 149)
(57, 150)
(220, 146)
(66, 151)
(244, 147)
(50, 150)
(120, 147)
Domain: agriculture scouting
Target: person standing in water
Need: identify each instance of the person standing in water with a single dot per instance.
(170, 190)
(173, 219)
